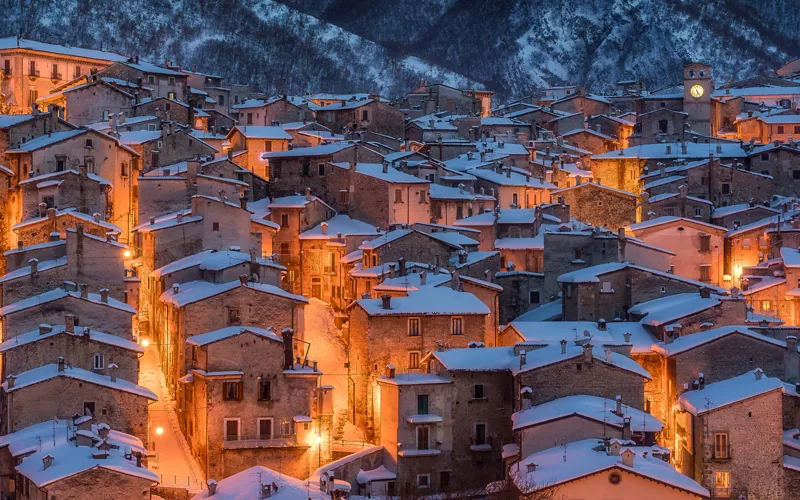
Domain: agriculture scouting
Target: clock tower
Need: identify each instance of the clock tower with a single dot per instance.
(697, 89)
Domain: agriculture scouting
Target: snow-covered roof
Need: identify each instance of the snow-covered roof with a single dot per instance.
(195, 291)
(246, 485)
(693, 150)
(376, 170)
(478, 359)
(507, 216)
(379, 474)
(388, 237)
(49, 372)
(667, 309)
(791, 257)
(668, 219)
(263, 132)
(210, 260)
(414, 378)
(592, 407)
(58, 294)
(440, 192)
(689, 342)
(7, 121)
(553, 331)
(135, 137)
(589, 457)
(535, 243)
(42, 266)
(429, 301)
(539, 357)
(738, 208)
(232, 331)
(592, 275)
(720, 394)
(501, 120)
(340, 224)
(94, 335)
(454, 238)
(45, 435)
(510, 178)
(411, 282)
(545, 312)
(321, 150)
(13, 42)
(71, 212)
(168, 220)
(46, 140)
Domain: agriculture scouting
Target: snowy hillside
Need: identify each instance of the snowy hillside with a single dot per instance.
(512, 46)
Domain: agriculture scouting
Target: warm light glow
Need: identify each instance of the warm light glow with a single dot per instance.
(159, 430)
(318, 440)
(145, 342)
(127, 254)
(726, 277)
(737, 271)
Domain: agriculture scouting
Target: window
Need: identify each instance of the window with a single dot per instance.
(249, 118)
(306, 168)
(344, 197)
(698, 211)
(422, 404)
(172, 80)
(236, 99)
(764, 156)
(398, 196)
(514, 232)
(721, 448)
(534, 297)
(515, 199)
(232, 429)
(264, 390)
(669, 212)
(286, 428)
(606, 287)
(663, 289)
(54, 72)
(321, 170)
(726, 188)
(780, 129)
(766, 305)
(49, 201)
(663, 126)
(232, 391)
(88, 407)
(423, 433)
(221, 100)
(151, 79)
(746, 244)
(577, 254)
(98, 362)
(364, 115)
(478, 391)
(215, 226)
(705, 242)
(61, 163)
(284, 248)
(569, 291)
(413, 360)
(722, 484)
(480, 434)
(268, 146)
(7, 67)
(264, 428)
(33, 95)
(32, 66)
(413, 327)
(795, 174)
(423, 481)
(89, 143)
(797, 129)
(233, 316)
(458, 326)
(284, 220)
(705, 274)
(459, 212)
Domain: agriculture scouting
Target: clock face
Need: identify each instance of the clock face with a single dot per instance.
(696, 91)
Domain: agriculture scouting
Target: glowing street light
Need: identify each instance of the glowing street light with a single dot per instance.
(319, 440)
(159, 431)
(145, 342)
(127, 254)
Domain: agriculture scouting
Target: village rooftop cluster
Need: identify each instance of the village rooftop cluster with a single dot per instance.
(209, 292)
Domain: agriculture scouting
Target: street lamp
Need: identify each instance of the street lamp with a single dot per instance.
(145, 342)
(159, 431)
(127, 254)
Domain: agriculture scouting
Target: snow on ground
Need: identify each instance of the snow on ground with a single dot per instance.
(173, 460)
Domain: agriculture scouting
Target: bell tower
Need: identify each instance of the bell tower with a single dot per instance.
(697, 88)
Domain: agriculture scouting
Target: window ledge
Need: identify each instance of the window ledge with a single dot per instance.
(607, 291)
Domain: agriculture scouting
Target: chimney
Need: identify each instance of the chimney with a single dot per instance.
(51, 214)
(401, 264)
(104, 295)
(10, 381)
(791, 361)
(243, 279)
(705, 293)
(587, 353)
(391, 270)
(563, 346)
(84, 288)
(230, 154)
(44, 329)
(53, 118)
(243, 200)
(69, 323)
(308, 194)
(212, 487)
(324, 227)
(112, 368)
(34, 263)
(390, 371)
(758, 372)
(701, 380)
(627, 456)
(627, 336)
(138, 459)
(385, 166)
(42, 209)
(176, 288)
(47, 461)
(626, 428)
(523, 358)
(669, 149)
(423, 278)
(683, 148)
(288, 348)
(60, 363)
(386, 301)
(103, 430)
(601, 324)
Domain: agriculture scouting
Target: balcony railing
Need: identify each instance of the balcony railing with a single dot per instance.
(248, 441)
(482, 445)
(722, 455)
(733, 493)
(416, 449)
(34, 74)
(424, 418)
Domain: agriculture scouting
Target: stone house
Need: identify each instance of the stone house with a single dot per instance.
(400, 330)
(770, 287)
(500, 224)
(678, 204)
(246, 399)
(233, 303)
(100, 154)
(164, 81)
(89, 309)
(169, 145)
(617, 127)
(72, 188)
(89, 102)
(449, 204)
(427, 99)
(610, 290)
(75, 261)
(659, 125)
(120, 403)
(366, 114)
(751, 244)
(281, 109)
(322, 247)
(406, 245)
(309, 134)
(781, 161)
(735, 216)
(699, 246)
(39, 230)
(295, 215)
(599, 205)
(83, 347)
(257, 140)
(715, 443)
(171, 110)
(546, 372)
(17, 129)
(591, 140)
(564, 122)
(587, 104)
(427, 129)
(31, 68)
(514, 188)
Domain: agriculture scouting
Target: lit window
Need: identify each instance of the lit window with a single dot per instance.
(413, 327)
(458, 326)
(722, 483)
(413, 360)
(766, 305)
(721, 447)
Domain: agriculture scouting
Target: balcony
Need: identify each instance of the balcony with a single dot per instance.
(735, 493)
(426, 418)
(418, 449)
(33, 75)
(722, 455)
(481, 446)
(249, 442)
(55, 76)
